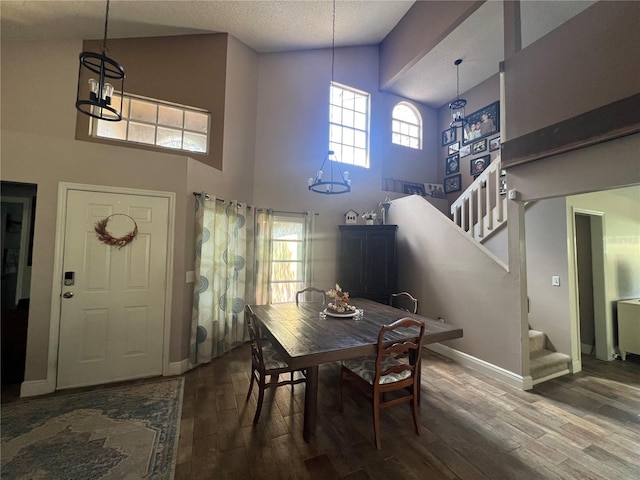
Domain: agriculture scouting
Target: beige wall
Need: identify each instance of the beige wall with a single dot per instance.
(292, 140)
(588, 62)
(38, 147)
(185, 69)
(457, 279)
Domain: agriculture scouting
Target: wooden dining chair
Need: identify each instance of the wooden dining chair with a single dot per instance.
(404, 301)
(313, 292)
(265, 362)
(377, 376)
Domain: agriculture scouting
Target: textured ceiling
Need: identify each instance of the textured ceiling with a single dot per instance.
(274, 26)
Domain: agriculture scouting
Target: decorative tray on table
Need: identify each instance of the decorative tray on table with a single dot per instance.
(331, 313)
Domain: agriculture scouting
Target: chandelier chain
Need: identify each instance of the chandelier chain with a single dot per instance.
(106, 23)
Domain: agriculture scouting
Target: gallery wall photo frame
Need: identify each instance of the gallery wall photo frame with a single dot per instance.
(478, 165)
(482, 123)
(452, 164)
(494, 144)
(449, 136)
(453, 184)
(465, 151)
(413, 189)
(479, 146)
(453, 148)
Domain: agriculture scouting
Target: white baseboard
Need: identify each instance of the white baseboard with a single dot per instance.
(486, 368)
(178, 368)
(32, 388)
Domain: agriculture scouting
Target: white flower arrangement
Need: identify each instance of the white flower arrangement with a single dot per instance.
(369, 215)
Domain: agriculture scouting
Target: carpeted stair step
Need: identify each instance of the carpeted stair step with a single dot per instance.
(545, 362)
(537, 341)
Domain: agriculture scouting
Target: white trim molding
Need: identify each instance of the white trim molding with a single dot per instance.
(486, 368)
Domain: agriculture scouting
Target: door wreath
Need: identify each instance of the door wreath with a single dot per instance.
(105, 237)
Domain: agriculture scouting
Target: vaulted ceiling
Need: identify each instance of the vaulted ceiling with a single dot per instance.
(276, 26)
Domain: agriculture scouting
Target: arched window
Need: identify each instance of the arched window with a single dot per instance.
(406, 126)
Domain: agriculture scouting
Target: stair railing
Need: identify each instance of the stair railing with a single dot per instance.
(481, 209)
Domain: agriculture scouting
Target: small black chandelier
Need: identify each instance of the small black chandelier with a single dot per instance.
(337, 181)
(457, 106)
(98, 77)
(334, 181)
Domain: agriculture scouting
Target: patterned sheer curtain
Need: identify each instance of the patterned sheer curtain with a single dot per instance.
(225, 249)
(264, 235)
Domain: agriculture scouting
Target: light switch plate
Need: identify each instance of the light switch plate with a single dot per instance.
(555, 280)
(191, 276)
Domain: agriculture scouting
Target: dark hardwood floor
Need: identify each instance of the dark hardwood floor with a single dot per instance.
(583, 426)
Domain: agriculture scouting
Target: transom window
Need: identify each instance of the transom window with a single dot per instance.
(349, 125)
(153, 122)
(406, 126)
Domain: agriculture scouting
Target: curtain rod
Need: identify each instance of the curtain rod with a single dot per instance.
(207, 197)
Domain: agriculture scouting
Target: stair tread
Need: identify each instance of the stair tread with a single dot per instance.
(549, 355)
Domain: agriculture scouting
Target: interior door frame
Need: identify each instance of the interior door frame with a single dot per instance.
(603, 326)
(24, 240)
(56, 288)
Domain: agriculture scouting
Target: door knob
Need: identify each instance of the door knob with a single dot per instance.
(67, 294)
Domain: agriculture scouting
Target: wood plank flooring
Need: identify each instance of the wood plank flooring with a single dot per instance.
(583, 426)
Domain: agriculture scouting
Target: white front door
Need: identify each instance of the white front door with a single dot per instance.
(113, 299)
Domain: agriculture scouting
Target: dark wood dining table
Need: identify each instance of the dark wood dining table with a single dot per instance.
(306, 340)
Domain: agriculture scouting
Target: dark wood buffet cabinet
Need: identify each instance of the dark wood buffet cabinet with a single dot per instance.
(367, 261)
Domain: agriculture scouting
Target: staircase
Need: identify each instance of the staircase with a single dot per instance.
(480, 211)
(545, 364)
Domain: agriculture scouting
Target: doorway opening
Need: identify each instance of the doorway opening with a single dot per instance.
(590, 288)
(18, 219)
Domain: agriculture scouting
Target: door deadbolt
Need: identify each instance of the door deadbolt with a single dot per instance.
(67, 294)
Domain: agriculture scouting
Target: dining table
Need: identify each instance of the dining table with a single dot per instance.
(306, 337)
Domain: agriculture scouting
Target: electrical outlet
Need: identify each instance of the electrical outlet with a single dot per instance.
(555, 280)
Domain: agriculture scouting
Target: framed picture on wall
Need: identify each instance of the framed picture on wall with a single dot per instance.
(414, 189)
(464, 151)
(452, 164)
(479, 146)
(478, 165)
(482, 123)
(452, 184)
(494, 144)
(453, 148)
(449, 136)
(434, 190)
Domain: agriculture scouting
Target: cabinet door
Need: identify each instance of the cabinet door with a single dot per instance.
(380, 263)
(352, 263)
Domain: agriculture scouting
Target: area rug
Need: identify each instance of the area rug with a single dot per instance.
(112, 433)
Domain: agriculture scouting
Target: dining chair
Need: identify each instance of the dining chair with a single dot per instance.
(265, 362)
(313, 292)
(376, 376)
(404, 301)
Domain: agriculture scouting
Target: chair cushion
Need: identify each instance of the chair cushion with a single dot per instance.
(272, 358)
(365, 368)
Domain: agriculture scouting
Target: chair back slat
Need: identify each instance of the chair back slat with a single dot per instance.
(404, 301)
(310, 292)
(253, 325)
(405, 348)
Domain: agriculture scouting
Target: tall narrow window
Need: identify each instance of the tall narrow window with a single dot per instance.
(349, 125)
(406, 126)
(288, 258)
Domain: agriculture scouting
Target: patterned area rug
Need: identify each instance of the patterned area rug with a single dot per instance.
(115, 433)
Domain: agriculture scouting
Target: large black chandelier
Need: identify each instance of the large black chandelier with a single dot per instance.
(98, 77)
